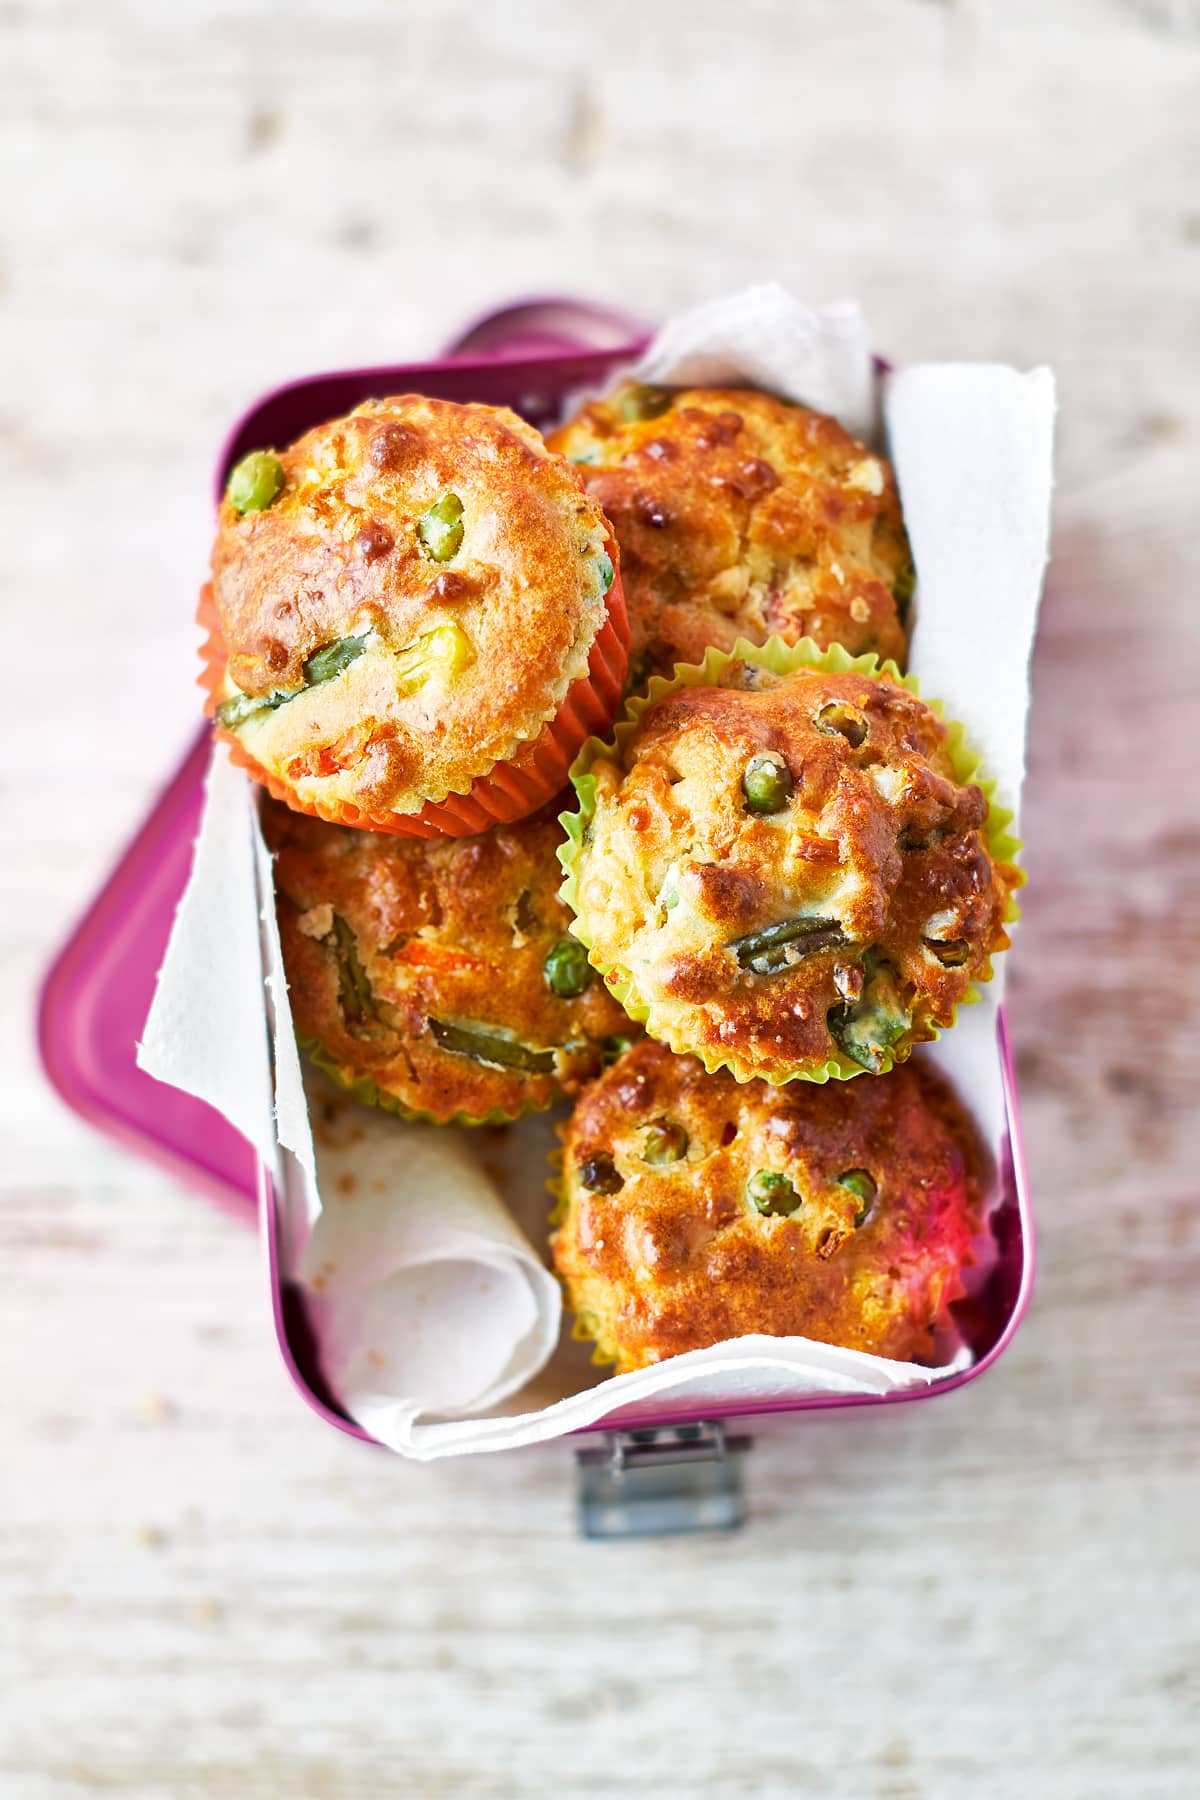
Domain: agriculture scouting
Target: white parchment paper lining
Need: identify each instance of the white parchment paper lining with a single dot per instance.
(431, 1306)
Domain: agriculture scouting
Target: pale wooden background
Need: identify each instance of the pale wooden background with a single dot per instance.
(204, 1592)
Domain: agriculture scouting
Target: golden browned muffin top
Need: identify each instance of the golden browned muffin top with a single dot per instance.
(782, 870)
(405, 600)
(441, 974)
(696, 1209)
(739, 515)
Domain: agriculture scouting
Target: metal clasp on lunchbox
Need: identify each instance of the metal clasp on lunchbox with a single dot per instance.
(650, 1483)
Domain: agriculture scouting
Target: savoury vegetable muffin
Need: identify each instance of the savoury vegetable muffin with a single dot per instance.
(739, 515)
(438, 979)
(695, 1209)
(416, 618)
(788, 870)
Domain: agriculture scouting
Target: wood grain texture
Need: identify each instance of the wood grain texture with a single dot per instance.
(203, 1591)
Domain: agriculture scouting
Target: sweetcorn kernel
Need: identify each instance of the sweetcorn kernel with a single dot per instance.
(443, 652)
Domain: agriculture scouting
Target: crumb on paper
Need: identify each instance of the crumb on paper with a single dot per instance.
(377, 1359)
(346, 1184)
(205, 1611)
(895, 1753)
(155, 1409)
(327, 1124)
(378, 1186)
(149, 1537)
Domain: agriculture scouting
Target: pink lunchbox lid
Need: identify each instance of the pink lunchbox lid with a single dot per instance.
(97, 993)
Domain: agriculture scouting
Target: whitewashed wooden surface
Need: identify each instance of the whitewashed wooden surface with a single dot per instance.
(205, 1592)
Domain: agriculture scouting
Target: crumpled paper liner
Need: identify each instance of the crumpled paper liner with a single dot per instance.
(780, 659)
(762, 337)
(366, 1201)
(438, 1293)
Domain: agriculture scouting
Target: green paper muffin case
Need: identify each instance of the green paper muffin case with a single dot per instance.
(779, 659)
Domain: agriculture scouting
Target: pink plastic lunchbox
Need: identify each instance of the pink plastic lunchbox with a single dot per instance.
(677, 1470)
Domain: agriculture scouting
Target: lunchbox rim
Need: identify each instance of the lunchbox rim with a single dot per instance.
(94, 937)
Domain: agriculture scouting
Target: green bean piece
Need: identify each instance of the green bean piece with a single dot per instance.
(331, 659)
(321, 666)
(566, 969)
(862, 1183)
(599, 1173)
(604, 563)
(876, 1021)
(664, 1142)
(905, 585)
(241, 708)
(952, 953)
(254, 482)
(355, 995)
(772, 1193)
(645, 402)
(491, 1047)
(779, 946)
(441, 528)
(839, 719)
(616, 1046)
(767, 784)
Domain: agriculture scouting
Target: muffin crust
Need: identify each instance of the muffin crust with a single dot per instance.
(842, 926)
(410, 609)
(739, 515)
(841, 1214)
(421, 970)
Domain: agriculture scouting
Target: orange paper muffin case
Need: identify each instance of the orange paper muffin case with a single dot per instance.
(507, 791)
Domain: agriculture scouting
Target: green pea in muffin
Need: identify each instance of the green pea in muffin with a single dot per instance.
(786, 869)
(739, 515)
(438, 979)
(694, 1209)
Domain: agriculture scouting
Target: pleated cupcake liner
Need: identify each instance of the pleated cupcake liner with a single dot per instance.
(779, 659)
(510, 790)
